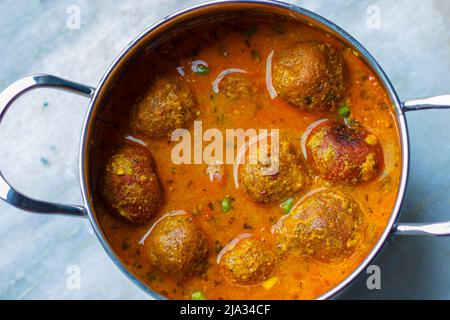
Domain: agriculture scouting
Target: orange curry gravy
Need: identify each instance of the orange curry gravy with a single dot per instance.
(246, 45)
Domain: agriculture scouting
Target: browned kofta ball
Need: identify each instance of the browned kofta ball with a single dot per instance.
(343, 153)
(309, 75)
(247, 262)
(266, 187)
(325, 226)
(131, 186)
(168, 105)
(177, 246)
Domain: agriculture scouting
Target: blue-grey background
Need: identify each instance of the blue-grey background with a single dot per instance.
(39, 138)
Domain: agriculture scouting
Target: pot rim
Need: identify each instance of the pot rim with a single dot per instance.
(370, 60)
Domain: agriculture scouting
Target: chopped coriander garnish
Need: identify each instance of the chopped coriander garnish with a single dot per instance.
(151, 276)
(125, 245)
(201, 69)
(344, 111)
(287, 205)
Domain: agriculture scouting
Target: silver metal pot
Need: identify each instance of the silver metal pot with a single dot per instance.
(144, 41)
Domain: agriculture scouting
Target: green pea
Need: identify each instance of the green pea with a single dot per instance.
(198, 295)
(226, 205)
(344, 111)
(287, 205)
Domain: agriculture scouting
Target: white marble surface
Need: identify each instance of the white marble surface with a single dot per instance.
(39, 138)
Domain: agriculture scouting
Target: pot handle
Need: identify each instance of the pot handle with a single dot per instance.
(7, 97)
(437, 102)
(424, 229)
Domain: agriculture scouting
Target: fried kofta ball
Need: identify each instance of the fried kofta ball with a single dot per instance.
(178, 247)
(247, 262)
(309, 75)
(168, 105)
(341, 153)
(236, 86)
(131, 186)
(268, 186)
(325, 226)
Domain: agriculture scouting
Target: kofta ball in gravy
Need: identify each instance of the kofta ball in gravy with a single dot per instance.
(131, 186)
(247, 261)
(268, 187)
(167, 105)
(177, 246)
(325, 226)
(343, 153)
(309, 75)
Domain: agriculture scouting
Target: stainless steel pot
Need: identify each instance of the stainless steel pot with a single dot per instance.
(144, 42)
